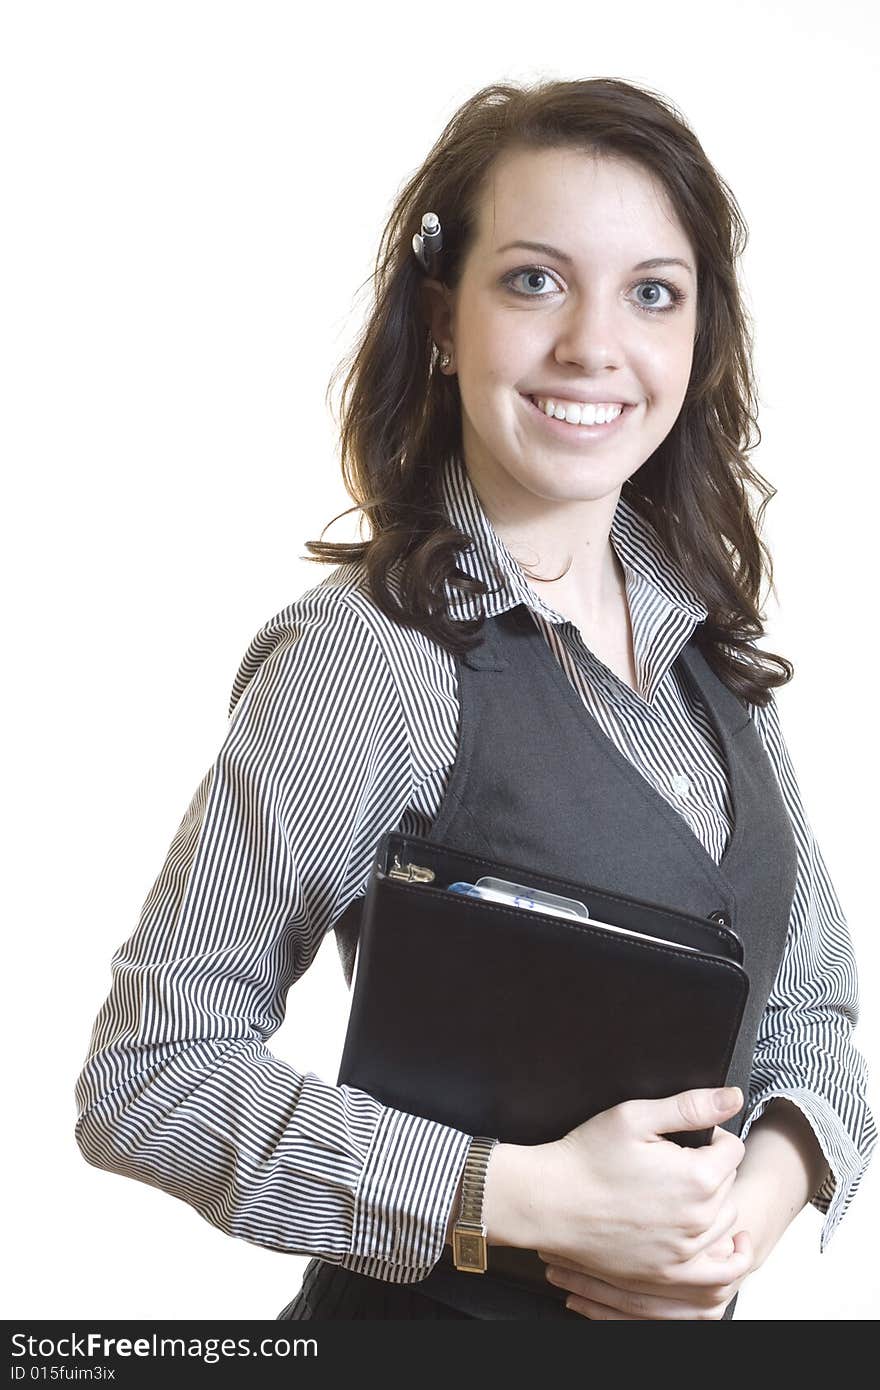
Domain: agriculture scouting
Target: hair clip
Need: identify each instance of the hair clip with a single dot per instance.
(428, 243)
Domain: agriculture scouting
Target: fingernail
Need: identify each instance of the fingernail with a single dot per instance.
(727, 1096)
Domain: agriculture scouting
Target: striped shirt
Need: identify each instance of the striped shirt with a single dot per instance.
(342, 725)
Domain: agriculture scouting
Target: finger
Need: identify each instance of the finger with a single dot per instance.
(705, 1270)
(645, 1309)
(732, 1243)
(721, 1157)
(720, 1269)
(635, 1303)
(722, 1248)
(595, 1311)
(724, 1188)
(700, 1271)
(598, 1312)
(743, 1242)
(695, 1109)
(676, 1304)
(724, 1225)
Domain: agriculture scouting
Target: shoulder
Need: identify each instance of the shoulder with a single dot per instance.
(767, 722)
(336, 623)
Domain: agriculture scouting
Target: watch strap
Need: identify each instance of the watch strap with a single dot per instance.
(469, 1245)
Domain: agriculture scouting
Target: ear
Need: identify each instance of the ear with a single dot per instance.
(438, 310)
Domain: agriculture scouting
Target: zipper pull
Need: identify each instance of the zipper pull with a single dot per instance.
(411, 873)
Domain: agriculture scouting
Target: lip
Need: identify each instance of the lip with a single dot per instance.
(577, 433)
(586, 398)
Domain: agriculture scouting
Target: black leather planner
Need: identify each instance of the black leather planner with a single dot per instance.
(502, 1020)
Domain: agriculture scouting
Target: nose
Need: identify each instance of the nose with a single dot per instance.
(589, 334)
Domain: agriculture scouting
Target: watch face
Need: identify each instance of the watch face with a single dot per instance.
(469, 1250)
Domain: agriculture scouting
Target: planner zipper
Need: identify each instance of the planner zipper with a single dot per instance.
(417, 873)
(411, 873)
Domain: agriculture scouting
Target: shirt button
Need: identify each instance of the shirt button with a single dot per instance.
(681, 784)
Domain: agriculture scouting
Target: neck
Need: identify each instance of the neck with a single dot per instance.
(547, 536)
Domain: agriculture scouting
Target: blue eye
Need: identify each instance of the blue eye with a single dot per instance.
(675, 295)
(533, 273)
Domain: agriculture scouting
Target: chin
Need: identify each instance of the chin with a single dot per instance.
(571, 483)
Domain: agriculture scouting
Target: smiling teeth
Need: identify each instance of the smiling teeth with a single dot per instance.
(579, 414)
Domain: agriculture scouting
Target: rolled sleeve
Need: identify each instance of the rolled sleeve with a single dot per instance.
(846, 1164)
(405, 1195)
(805, 1050)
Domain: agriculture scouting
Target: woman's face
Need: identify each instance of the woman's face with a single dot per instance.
(584, 322)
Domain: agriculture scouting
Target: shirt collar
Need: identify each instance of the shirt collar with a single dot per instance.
(637, 544)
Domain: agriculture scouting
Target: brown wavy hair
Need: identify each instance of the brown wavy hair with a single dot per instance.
(401, 416)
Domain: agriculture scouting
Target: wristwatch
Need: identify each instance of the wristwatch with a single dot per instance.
(469, 1252)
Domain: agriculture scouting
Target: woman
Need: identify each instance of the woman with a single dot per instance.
(574, 599)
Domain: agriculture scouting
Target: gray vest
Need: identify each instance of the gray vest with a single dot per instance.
(536, 781)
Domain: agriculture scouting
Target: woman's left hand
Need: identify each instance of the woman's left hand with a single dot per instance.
(596, 1299)
(782, 1166)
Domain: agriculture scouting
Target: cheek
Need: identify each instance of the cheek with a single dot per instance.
(488, 381)
(665, 370)
(497, 349)
(685, 346)
(502, 364)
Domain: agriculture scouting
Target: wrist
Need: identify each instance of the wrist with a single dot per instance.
(757, 1213)
(782, 1167)
(468, 1203)
(509, 1208)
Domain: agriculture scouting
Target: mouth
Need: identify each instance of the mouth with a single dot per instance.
(563, 429)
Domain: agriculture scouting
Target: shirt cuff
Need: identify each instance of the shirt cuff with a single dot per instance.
(404, 1197)
(846, 1163)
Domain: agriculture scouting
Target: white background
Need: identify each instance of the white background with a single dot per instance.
(193, 198)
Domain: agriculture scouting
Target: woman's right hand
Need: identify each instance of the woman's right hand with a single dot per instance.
(617, 1198)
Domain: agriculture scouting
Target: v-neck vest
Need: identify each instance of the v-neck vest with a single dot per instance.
(537, 782)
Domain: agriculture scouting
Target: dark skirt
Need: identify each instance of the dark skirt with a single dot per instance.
(329, 1291)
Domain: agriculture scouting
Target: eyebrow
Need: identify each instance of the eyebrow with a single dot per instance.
(561, 255)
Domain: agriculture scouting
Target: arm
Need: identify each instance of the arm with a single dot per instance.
(808, 1132)
(805, 1052)
(179, 1089)
(782, 1170)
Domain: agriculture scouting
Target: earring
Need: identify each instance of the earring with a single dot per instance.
(445, 359)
